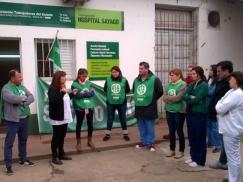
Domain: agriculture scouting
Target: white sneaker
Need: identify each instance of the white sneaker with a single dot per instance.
(193, 164)
(188, 161)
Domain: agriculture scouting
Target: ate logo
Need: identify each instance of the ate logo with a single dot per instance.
(115, 88)
(172, 92)
(141, 89)
(21, 92)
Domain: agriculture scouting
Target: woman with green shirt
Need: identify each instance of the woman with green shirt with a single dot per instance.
(175, 111)
(84, 105)
(195, 97)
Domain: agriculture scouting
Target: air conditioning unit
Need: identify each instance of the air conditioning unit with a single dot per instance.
(75, 2)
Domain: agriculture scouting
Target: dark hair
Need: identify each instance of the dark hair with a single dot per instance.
(200, 72)
(116, 68)
(226, 65)
(238, 75)
(56, 79)
(177, 72)
(214, 69)
(12, 73)
(81, 71)
(145, 64)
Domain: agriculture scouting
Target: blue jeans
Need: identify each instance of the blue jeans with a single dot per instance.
(197, 129)
(111, 115)
(146, 130)
(175, 122)
(13, 128)
(223, 156)
(213, 133)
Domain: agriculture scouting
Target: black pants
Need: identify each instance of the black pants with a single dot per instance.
(80, 114)
(57, 142)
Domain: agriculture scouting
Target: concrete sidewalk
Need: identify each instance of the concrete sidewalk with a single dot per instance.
(39, 145)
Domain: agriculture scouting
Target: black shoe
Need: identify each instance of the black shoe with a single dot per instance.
(9, 171)
(106, 137)
(57, 161)
(65, 157)
(26, 162)
(126, 137)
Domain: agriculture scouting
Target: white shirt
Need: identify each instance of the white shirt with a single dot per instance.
(67, 112)
(230, 113)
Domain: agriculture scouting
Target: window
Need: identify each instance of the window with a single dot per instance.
(175, 42)
(67, 55)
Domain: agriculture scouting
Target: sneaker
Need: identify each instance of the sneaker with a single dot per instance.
(56, 161)
(140, 145)
(26, 162)
(171, 154)
(193, 164)
(179, 155)
(106, 137)
(151, 148)
(9, 171)
(188, 161)
(126, 137)
(218, 165)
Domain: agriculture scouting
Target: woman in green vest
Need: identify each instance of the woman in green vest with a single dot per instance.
(175, 111)
(116, 88)
(84, 105)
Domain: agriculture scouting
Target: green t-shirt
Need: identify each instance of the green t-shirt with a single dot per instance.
(19, 90)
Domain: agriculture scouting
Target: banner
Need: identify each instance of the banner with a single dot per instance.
(36, 15)
(99, 19)
(100, 116)
(101, 57)
(57, 16)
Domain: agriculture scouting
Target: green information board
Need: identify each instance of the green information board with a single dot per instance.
(101, 57)
(36, 15)
(99, 19)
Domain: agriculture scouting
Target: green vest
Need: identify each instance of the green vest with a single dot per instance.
(116, 91)
(172, 89)
(144, 91)
(82, 103)
(19, 90)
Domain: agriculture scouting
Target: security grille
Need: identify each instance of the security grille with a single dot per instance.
(45, 67)
(176, 42)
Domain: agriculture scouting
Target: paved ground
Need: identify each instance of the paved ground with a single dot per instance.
(119, 165)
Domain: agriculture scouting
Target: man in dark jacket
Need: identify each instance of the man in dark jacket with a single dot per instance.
(147, 90)
(224, 68)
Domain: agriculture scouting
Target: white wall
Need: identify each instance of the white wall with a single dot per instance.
(137, 41)
(216, 44)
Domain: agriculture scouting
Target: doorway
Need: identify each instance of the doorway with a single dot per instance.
(9, 59)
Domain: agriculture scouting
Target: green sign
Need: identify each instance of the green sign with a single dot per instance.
(101, 57)
(36, 15)
(99, 19)
(100, 112)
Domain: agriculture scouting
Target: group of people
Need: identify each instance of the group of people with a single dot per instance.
(211, 108)
(213, 111)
